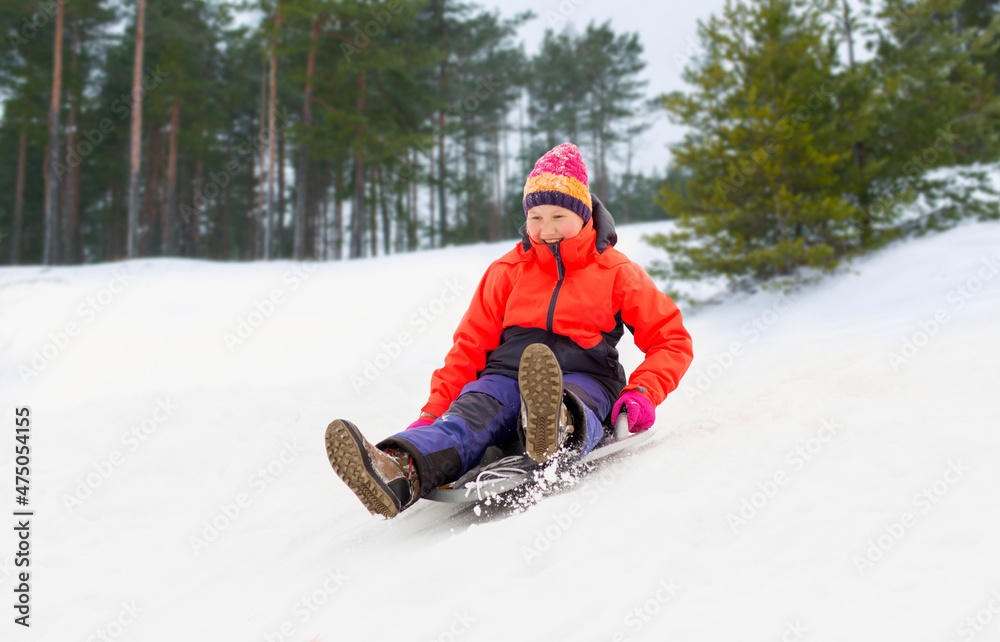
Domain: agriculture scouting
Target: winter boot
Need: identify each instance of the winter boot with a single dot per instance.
(384, 481)
(544, 418)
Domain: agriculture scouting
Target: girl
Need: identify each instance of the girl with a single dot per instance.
(534, 356)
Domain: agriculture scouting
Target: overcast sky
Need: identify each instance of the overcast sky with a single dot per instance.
(667, 28)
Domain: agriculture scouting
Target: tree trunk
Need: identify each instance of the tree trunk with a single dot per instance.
(151, 194)
(442, 162)
(226, 209)
(52, 178)
(312, 209)
(386, 234)
(494, 226)
(402, 220)
(433, 191)
(192, 233)
(860, 154)
(271, 134)
(251, 212)
(373, 239)
(184, 183)
(358, 211)
(302, 174)
(627, 180)
(505, 179)
(135, 156)
(442, 173)
(167, 217)
(604, 167)
(848, 33)
(194, 225)
(414, 195)
(324, 222)
(119, 222)
(338, 214)
(280, 243)
(71, 200)
(22, 154)
(471, 218)
(261, 187)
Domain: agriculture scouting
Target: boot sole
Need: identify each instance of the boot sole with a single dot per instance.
(540, 380)
(346, 451)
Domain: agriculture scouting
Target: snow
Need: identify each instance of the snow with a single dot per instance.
(866, 483)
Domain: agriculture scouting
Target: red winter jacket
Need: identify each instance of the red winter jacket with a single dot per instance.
(574, 297)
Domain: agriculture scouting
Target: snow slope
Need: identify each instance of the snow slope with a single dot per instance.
(804, 482)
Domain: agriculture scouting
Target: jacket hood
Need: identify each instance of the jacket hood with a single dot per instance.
(604, 227)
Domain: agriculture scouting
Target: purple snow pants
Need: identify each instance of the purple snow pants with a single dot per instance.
(485, 414)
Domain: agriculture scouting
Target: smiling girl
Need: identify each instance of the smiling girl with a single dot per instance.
(534, 358)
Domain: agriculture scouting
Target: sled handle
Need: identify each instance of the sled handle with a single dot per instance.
(621, 425)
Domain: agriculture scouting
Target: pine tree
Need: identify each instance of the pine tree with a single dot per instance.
(50, 248)
(942, 105)
(765, 194)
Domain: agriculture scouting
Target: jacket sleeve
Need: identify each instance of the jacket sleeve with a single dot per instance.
(655, 322)
(477, 335)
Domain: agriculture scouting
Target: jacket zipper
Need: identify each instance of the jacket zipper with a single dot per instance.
(555, 293)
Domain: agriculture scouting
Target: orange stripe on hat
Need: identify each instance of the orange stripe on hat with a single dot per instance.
(556, 183)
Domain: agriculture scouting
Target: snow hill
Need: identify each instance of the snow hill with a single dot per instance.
(827, 472)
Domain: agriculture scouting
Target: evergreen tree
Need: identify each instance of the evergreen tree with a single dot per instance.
(941, 106)
(380, 106)
(765, 193)
(586, 89)
(610, 65)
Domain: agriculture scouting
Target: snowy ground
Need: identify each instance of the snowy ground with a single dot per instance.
(828, 470)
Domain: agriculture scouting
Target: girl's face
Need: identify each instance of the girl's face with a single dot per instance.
(551, 224)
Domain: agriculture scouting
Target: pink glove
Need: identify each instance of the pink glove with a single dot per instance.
(420, 423)
(638, 409)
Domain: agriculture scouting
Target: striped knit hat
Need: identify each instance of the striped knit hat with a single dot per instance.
(560, 178)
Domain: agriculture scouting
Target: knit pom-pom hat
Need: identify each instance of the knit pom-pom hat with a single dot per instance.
(560, 178)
